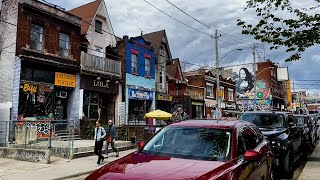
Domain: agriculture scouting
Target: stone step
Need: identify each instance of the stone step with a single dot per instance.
(91, 153)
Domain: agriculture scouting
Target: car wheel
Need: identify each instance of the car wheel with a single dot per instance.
(288, 165)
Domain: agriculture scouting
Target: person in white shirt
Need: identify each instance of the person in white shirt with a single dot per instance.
(99, 135)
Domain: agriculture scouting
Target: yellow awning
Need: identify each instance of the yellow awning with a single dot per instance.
(158, 114)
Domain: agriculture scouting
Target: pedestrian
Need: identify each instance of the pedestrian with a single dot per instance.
(111, 138)
(99, 135)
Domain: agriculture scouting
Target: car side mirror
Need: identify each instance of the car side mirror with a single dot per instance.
(141, 144)
(252, 156)
(292, 125)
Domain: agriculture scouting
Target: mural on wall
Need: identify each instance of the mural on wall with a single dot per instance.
(179, 110)
(243, 75)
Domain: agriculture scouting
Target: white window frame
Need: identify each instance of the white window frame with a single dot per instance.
(96, 26)
(134, 63)
(64, 51)
(222, 89)
(147, 66)
(36, 36)
(211, 87)
(230, 91)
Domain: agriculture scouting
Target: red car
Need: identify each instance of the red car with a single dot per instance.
(196, 149)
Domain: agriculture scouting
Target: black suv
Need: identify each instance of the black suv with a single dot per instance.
(284, 135)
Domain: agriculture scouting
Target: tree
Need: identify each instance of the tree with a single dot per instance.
(297, 32)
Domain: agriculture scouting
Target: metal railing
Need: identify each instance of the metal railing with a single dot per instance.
(53, 135)
(98, 64)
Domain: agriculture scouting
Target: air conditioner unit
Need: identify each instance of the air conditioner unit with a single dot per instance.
(62, 94)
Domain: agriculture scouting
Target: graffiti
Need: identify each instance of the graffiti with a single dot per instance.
(249, 105)
(42, 128)
(246, 82)
(178, 112)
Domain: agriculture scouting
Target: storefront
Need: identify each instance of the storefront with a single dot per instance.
(163, 102)
(139, 102)
(197, 109)
(99, 98)
(44, 93)
(210, 104)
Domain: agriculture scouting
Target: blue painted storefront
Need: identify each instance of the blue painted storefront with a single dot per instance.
(139, 86)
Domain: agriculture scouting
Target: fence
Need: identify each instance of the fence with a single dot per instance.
(54, 136)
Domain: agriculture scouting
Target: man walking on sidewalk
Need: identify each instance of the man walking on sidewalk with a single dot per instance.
(99, 135)
(111, 138)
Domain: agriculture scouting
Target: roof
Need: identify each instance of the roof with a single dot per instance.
(219, 124)
(155, 39)
(87, 12)
(171, 69)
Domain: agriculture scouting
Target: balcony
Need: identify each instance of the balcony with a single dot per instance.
(96, 64)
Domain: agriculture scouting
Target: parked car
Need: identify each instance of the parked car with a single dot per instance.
(307, 128)
(197, 149)
(314, 119)
(285, 137)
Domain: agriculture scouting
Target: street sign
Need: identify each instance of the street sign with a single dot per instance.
(220, 93)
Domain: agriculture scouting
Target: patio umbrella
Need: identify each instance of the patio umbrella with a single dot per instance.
(158, 114)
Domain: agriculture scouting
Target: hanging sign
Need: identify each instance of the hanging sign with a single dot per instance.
(64, 79)
(139, 94)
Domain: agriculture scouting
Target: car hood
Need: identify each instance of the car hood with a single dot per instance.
(142, 166)
(273, 133)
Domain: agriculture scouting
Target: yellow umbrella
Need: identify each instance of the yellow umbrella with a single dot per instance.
(158, 114)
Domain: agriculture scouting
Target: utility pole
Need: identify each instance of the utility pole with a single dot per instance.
(255, 75)
(217, 70)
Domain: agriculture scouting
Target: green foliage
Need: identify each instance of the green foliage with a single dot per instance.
(122, 133)
(297, 33)
(89, 130)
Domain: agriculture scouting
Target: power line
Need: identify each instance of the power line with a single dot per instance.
(177, 19)
(206, 25)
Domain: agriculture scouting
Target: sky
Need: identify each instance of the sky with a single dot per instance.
(131, 17)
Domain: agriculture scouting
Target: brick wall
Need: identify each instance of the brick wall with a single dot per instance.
(51, 28)
(16, 87)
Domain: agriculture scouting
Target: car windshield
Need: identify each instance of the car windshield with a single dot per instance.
(269, 121)
(190, 143)
(299, 120)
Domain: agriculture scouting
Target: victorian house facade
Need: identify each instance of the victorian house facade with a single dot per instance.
(100, 85)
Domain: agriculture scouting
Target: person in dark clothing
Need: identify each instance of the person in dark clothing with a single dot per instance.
(99, 135)
(111, 138)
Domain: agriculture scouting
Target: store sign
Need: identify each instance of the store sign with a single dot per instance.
(64, 79)
(139, 94)
(101, 84)
(162, 97)
(30, 88)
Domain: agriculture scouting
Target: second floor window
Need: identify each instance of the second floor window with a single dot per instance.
(134, 63)
(147, 66)
(161, 77)
(222, 90)
(36, 37)
(64, 46)
(98, 26)
(209, 90)
(230, 94)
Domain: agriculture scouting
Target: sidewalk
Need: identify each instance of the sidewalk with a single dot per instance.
(60, 168)
(311, 170)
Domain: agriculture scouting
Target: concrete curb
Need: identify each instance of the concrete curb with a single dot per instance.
(75, 175)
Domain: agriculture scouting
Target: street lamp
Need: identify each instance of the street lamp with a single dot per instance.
(218, 73)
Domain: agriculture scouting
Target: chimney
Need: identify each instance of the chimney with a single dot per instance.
(125, 37)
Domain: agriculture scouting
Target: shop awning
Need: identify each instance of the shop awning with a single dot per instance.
(158, 114)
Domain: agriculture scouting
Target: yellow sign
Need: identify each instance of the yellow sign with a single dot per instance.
(164, 97)
(30, 88)
(220, 93)
(298, 104)
(64, 79)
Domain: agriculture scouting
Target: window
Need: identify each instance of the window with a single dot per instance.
(64, 46)
(250, 138)
(241, 145)
(230, 94)
(161, 77)
(161, 50)
(222, 89)
(147, 66)
(98, 26)
(207, 144)
(134, 63)
(209, 90)
(36, 37)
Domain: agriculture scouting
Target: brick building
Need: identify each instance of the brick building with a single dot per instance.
(207, 80)
(46, 58)
(267, 77)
